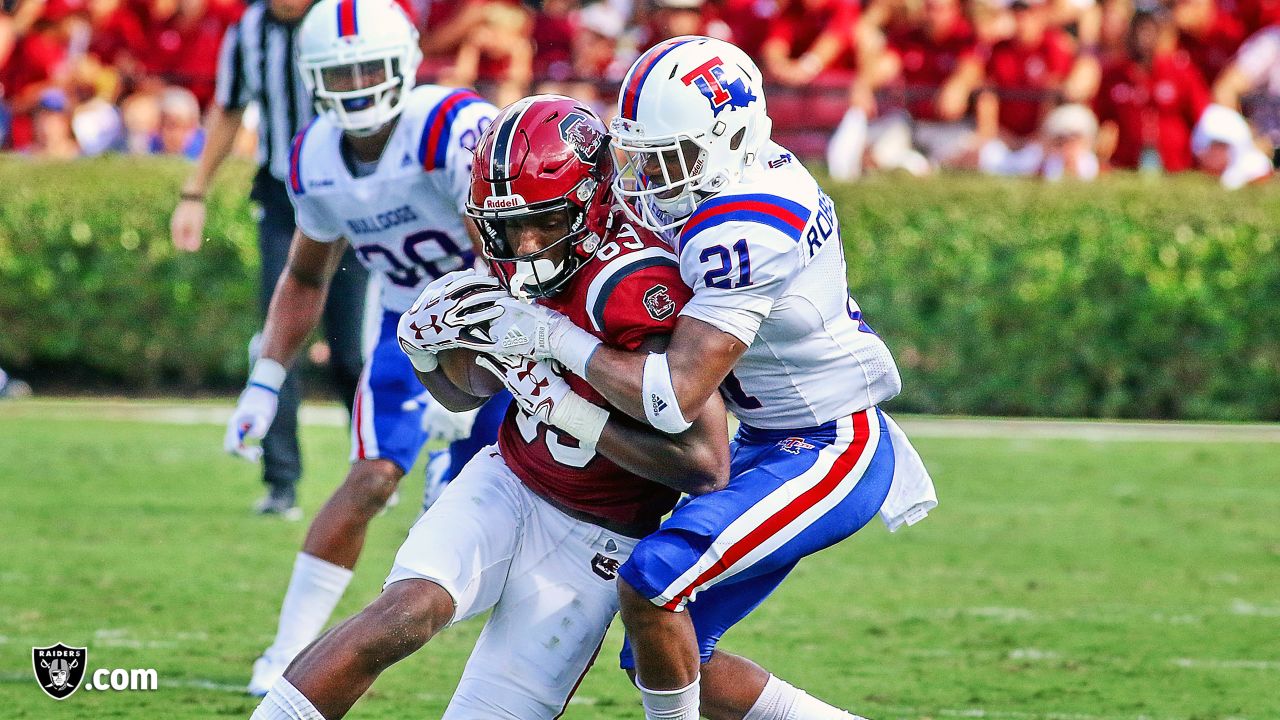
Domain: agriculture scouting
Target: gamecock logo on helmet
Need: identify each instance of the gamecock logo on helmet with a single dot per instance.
(584, 139)
(709, 78)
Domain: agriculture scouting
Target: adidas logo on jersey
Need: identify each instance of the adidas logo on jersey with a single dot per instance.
(406, 161)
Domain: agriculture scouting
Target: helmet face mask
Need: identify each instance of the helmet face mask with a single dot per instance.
(359, 80)
(659, 180)
(531, 252)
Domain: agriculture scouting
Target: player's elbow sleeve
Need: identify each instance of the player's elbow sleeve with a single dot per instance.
(661, 406)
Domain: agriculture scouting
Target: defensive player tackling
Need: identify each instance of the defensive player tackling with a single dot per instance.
(771, 325)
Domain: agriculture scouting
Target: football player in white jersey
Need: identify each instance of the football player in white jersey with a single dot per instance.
(386, 167)
(771, 325)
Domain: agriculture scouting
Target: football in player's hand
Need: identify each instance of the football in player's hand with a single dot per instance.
(459, 365)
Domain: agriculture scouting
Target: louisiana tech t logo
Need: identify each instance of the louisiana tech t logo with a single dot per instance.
(711, 80)
(59, 669)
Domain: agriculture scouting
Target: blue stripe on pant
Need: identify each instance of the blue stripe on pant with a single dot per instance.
(793, 468)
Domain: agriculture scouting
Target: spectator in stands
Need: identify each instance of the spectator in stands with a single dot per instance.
(38, 62)
(1209, 35)
(553, 28)
(672, 18)
(934, 62)
(1150, 99)
(1063, 149)
(1255, 14)
(810, 37)
(598, 65)
(497, 51)
(184, 38)
(1025, 77)
(51, 127)
(1252, 83)
(747, 22)
(1225, 148)
(179, 131)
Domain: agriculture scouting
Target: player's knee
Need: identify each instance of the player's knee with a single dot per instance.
(405, 617)
(370, 483)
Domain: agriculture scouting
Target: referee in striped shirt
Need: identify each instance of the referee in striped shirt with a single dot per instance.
(256, 63)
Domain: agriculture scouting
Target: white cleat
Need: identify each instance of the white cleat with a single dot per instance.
(265, 674)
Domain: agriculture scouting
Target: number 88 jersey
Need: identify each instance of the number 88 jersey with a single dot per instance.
(629, 290)
(766, 265)
(405, 219)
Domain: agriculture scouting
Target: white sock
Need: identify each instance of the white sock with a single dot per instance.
(782, 701)
(284, 702)
(314, 591)
(679, 704)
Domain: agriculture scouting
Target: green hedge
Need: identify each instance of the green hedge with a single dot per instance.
(1125, 298)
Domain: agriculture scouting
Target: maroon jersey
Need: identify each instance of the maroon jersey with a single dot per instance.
(629, 291)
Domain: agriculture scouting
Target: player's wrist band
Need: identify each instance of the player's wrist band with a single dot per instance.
(574, 348)
(658, 395)
(192, 196)
(267, 374)
(578, 417)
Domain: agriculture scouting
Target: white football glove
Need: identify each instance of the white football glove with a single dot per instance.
(542, 394)
(439, 318)
(439, 422)
(532, 331)
(255, 410)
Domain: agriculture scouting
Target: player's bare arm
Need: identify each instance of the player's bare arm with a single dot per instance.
(695, 461)
(299, 297)
(699, 357)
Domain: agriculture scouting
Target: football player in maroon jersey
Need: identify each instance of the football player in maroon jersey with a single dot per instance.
(536, 527)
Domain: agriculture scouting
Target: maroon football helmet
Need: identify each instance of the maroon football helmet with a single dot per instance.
(545, 160)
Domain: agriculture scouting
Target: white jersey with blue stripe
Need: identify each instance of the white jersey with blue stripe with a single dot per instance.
(766, 264)
(405, 220)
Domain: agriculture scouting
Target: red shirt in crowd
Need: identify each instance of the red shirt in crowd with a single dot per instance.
(749, 22)
(1212, 50)
(927, 62)
(803, 21)
(553, 46)
(1153, 108)
(1017, 71)
(185, 52)
(117, 33)
(1253, 14)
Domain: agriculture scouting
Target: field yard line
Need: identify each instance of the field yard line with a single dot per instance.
(919, 426)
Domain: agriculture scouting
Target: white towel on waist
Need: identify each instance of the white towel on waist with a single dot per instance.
(911, 496)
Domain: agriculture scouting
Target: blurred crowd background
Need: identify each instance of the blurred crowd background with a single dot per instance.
(1016, 87)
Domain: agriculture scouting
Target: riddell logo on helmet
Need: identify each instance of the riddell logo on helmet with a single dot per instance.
(709, 78)
(505, 202)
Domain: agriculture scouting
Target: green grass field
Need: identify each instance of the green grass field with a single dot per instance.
(1059, 579)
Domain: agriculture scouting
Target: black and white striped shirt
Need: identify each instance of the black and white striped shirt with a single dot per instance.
(256, 64)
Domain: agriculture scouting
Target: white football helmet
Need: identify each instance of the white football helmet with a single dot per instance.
(359, 58)
(691, 117)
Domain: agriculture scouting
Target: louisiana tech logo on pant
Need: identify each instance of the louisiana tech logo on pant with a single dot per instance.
(59, 669)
